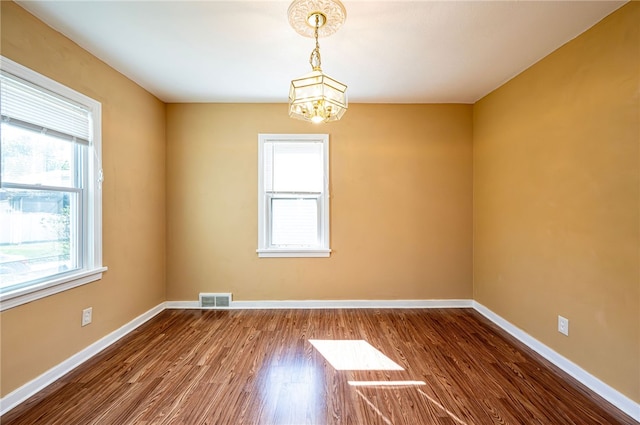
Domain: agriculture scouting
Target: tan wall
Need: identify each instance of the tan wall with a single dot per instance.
(41, 334)
(557, 196)
(400, 204)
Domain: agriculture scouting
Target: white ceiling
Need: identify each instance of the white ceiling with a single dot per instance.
(387, 51)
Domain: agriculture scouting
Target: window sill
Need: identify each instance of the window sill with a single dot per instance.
(24, 295)
(293, 253)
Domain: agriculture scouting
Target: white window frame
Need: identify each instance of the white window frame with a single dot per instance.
(264, 226)
(91, 228)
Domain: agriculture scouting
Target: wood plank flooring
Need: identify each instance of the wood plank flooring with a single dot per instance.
(257, 367)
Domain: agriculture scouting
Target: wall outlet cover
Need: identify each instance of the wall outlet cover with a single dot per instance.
(563, 325)
(87, 314)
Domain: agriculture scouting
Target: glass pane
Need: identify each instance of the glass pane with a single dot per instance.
(297, 167)
(29, 157)
(294, 222)
(38, 235)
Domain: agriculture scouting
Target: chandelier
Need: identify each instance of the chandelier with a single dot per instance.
(315, 96)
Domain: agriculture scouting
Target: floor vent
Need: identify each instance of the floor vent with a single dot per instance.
(215, 300)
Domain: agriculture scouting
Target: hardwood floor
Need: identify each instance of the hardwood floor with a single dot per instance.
(258, 367)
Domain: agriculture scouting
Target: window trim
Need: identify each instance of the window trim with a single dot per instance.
(264, 250)
(92, 250)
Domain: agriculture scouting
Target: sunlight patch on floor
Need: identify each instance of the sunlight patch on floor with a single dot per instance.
(353, 355)
(451, 415)
(385, 383)
(375, 409)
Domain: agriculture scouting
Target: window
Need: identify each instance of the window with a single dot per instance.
(293, 195)
(50, 194)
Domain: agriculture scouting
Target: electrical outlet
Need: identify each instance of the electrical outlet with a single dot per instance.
(86, 316)
(563, 325)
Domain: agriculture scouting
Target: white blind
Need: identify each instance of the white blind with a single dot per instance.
(294, 222)
(294, 167)
(26, 105)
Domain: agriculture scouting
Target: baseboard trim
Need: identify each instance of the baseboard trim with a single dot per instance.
(187, 305)
(327, 304)
(610, 394)
(21, 394)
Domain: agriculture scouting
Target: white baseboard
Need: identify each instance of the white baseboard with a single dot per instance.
(187, 305)
(610, 394)
(319, 304)
(21, 394)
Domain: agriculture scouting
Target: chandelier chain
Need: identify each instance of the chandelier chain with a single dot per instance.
(314, 60)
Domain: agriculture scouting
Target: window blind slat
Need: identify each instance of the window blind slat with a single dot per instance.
(34, 108)
(40, 129)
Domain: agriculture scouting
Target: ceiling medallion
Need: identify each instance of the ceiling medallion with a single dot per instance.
(301, 16)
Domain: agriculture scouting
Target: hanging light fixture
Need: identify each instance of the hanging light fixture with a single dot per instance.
(315, 96)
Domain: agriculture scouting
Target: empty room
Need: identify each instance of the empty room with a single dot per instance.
(320, 212)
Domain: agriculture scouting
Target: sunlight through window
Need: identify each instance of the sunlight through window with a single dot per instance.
(441, 407)
(353, 355)
(385, 383)
(375, 409)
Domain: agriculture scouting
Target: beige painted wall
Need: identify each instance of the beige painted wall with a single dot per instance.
(41, 334)
(557, 196)
(400, 183)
